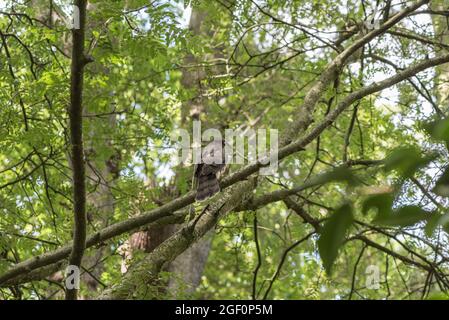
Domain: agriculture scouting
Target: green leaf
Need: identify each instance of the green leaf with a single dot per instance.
(333, 235)
(382, 202)
(435, 221)
(442, 185)
(406, 161)
(438, 130)
(405, 216)
(342, 174)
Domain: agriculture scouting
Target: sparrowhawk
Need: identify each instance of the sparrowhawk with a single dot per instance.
(212, 162)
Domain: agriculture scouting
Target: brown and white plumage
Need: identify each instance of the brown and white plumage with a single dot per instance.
(206, 172)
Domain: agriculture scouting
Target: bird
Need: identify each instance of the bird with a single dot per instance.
(205, 172)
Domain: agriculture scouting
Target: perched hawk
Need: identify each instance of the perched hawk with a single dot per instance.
(212, 162)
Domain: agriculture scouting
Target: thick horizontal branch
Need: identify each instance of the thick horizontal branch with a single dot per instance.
(279, 195)
(146, 272)
(30, 269)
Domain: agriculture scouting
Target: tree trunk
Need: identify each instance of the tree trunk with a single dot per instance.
(442, 31)
(186, 269)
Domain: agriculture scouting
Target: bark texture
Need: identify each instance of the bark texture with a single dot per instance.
(76, 139)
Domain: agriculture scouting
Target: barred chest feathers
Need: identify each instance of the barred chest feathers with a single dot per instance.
(212, 163)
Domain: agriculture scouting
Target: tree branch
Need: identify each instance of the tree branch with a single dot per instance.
(147, 271)
(242, 174)
(76, 137)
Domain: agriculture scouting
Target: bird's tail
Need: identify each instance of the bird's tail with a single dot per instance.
(207, 186)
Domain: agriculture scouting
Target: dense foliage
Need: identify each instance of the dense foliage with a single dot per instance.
(363, 194)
